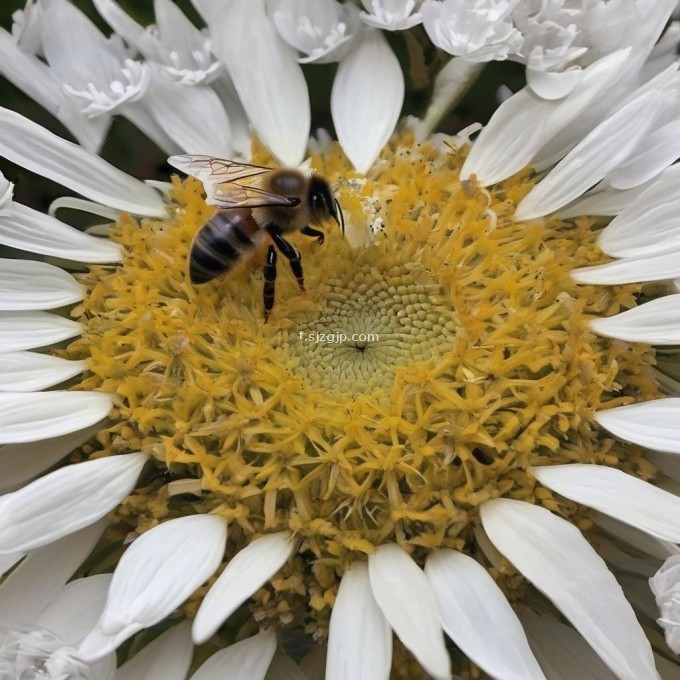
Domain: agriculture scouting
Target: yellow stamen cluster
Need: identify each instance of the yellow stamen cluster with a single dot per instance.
(481, 365)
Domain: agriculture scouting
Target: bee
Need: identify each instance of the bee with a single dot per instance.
(255, 203)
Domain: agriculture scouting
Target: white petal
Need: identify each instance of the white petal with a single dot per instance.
(366, 102)
(650, 225)
(28, 229)
(76, 608)
(405, 597)
(243, 575)
(156, 575)
(32, 585)
(20, 463)
(606, 202)
(668, 463)
(478, 618)
(167, 657)
(646, 544)
(656, 152)
(524, 123)
(552, 554)
(246, 660)
(8, 561)
(28, 330)
(6, 193)
(359, 637)
(631, 270)
(66, 500)
(590, 160)
(561, 651)
(33, 417)
(120, 21)
(654, 424)
(269, 82)
(656, 323)
(553, 84)
(193, 117)
(31, 146)
(30, 371)
(615, 493)
(26, 285)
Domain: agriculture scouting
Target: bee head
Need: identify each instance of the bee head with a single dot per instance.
(322, 202)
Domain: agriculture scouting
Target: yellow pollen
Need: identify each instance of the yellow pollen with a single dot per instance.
(460, 357)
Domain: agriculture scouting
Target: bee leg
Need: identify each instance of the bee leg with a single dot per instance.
(308, 231)
(269, 282)
(292, 254)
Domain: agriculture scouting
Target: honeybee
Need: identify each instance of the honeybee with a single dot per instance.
(255, 202)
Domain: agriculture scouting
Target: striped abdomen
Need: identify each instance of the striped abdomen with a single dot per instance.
(221, 242)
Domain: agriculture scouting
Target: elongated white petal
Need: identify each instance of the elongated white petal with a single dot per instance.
(120, 21)
(193, 117)
(650, 225)
(32, 585)
(246, 660)
(8, 561)
(654, 424)
(478, 618)
(592, 158)
(657, 151)
(631, 270)
(31, 146)
(366, 102)
(405, 597)
(269, 82)
(28, 330)
(20, 463)
(359, 636)
(33, 417)
(552, 554)
(524, 122)
(30, 371)
(157, 574)
(28, 229)
(613, 492)
(606, 202)
(244, 574)
(76, 608)
(561, 651)
(6, 192)
(167, 657)
(27, 285)
(65, 501)
(648, 545)
(656, 322)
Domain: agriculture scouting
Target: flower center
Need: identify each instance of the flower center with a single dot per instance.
(420, 375)
(374, 317)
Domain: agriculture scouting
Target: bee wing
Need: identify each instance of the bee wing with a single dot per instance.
(215, 170)
(230, 195)
(221, 179)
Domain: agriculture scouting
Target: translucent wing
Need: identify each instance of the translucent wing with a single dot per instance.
(215, 170)
(222, 182)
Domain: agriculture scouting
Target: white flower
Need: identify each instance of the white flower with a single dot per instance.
(391, 15)
(479, 31)
(320, 30)
(614, 130)
(666, 588)
(43, 619)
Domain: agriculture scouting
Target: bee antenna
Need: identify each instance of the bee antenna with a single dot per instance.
(342, 217)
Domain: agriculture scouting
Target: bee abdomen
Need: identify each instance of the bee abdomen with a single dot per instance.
(220, 243)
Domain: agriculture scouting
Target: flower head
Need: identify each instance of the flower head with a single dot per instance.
(443, 436)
